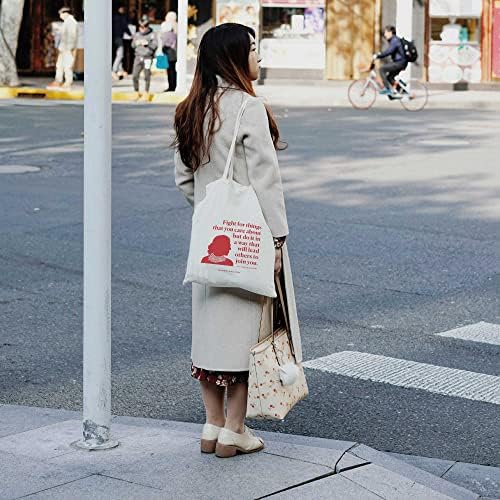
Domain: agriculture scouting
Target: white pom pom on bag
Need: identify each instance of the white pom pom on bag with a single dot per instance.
(231, 243)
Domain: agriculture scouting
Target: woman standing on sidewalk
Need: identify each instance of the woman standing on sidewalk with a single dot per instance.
(226, 321)
(169, 47)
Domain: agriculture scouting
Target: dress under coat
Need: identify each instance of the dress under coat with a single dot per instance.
(226, 321)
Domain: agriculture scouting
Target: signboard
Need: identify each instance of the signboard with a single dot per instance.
(244, 12)
(293, 3)
(455, 8)
(495, 42)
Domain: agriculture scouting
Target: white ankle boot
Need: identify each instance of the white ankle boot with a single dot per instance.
(230, 443)
(209, 438)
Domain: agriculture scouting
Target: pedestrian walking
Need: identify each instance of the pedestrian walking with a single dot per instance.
(169, 47)
(226, 321)
(145, 44)
(120, 29)
(67, 44)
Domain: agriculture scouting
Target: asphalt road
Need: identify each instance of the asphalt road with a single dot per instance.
(394, 222)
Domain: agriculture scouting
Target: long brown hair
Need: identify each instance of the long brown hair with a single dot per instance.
(223, 51)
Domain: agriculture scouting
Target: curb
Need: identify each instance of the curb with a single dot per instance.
(413, 473)
(78, 95)
(345, 460)
(7, 93)
(458, 87)
(171, 98)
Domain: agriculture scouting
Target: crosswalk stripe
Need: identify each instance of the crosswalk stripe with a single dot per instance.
(488, 333)
(410, 374)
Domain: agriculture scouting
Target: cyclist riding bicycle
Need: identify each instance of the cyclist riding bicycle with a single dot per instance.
(399, 62)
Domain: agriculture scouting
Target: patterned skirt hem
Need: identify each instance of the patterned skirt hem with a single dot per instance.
(222, 379)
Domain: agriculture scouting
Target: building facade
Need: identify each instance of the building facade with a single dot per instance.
(36, 53)
(299, 39)
(458, 40)
(309, 39)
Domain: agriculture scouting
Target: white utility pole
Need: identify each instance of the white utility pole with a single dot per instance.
(182, 37)
(404, 26)
(97, 229)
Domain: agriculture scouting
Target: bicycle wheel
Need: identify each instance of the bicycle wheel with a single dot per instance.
(362, 94)
(415, 96)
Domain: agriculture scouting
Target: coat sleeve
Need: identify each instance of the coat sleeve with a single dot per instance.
(73, 35)
(184, 178)
(391, 50)
(124, 27)
(263, 169)
(153, 43)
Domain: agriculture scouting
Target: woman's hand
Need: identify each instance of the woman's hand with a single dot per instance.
(277, 260)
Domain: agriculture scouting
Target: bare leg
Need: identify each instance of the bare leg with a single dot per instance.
(213, 398)
(236, 407)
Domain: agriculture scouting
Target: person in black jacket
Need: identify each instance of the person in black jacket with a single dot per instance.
(119, 28)
(389, 70)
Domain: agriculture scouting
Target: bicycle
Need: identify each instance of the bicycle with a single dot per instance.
(412, 95)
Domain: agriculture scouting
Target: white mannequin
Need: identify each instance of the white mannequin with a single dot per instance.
(451, 31)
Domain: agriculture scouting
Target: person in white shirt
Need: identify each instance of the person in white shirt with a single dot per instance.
(67, 45)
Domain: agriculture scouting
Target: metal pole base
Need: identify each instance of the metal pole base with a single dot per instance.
(93, 445)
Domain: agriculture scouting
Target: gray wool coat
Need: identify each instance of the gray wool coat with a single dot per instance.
(227, 321)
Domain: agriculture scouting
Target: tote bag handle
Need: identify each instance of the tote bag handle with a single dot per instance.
(263, 334)
(284, 307)
(229, 170)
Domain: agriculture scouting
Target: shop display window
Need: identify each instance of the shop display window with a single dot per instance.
(51, 31)
(468, 29)
(293, 37)
(279, 22)
(495, 41)
(455, 42)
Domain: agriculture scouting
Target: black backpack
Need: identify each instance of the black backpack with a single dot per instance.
(409, 50)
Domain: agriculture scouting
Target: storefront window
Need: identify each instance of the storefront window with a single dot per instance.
(293, 34)
(455, 44)
(280, 22)
(239, 11)
(495, 47)
(50, 30)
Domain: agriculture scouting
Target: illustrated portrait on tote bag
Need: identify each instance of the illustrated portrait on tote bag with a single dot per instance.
(218, 251)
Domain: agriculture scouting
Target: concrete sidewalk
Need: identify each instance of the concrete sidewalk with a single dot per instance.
(122, 91)
(161, 460)
(287, 94)
(336, 96)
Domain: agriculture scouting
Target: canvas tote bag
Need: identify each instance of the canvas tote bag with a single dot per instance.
(231, 244)
(276, 382)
